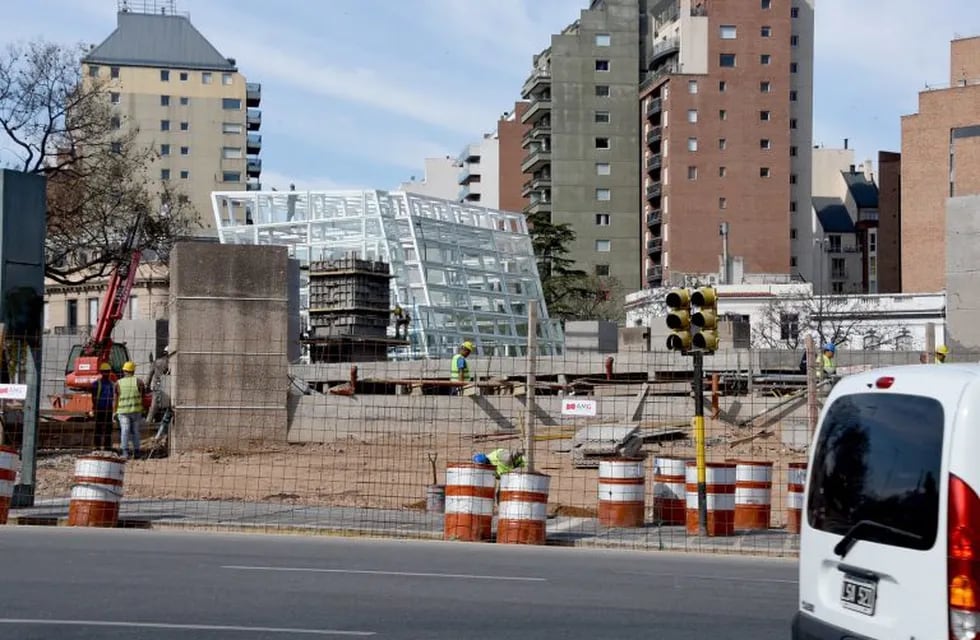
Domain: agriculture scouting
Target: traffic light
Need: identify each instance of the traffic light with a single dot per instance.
(705, 319)
(679, 320)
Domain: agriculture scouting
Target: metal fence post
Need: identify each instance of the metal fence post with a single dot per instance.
(811, 385)
(699, 442)
(532, 361)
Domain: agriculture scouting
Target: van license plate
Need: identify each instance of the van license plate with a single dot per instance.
(858, 594)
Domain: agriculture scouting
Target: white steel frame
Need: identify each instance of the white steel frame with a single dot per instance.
(464, 272)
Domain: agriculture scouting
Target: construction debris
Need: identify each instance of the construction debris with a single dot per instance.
(592, 444)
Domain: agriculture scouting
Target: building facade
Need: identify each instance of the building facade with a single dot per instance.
(582, 153)
(889, 222)
(510, 133)
(479, 172)
(727, 110)
(940, 160)
(189, 102)
(441, 179)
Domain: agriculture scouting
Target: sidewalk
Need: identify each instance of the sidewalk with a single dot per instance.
(268, 517)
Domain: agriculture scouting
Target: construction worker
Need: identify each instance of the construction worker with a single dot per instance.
(504, 460)
(828, 367)
(402, 319)
(459, 369)
(103, 406)
(128, 409)
(160, 368)
(941, 352)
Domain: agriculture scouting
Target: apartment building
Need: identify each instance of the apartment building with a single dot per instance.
(582, 143)
(940, 159)
(479, 172)
(890, 222)
(510, 133)
(188, 101)
(440, 179)
(726, 109)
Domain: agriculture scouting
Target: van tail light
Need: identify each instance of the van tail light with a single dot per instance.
(963, 563)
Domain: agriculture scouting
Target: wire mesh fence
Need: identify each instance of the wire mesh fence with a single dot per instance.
(229, 434)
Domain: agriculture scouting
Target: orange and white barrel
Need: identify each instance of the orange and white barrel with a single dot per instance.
(669, 500)
(523, 513)
(720, 485)
(9, 463)
(796, 483)
(469, 501)
(97, 489)
(621, 492)
(753, 495)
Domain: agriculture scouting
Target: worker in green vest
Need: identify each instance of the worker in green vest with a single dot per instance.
(459, 369)
(129, 409)
(828, 366)
(941, 352)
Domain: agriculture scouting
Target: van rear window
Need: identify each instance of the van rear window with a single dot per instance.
(878, 458)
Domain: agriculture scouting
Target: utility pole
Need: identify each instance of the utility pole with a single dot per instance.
(726, 273)
(698, 357)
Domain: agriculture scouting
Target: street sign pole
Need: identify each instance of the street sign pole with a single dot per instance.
(699, 442)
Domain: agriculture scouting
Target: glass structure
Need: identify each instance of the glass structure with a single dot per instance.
(463, 272)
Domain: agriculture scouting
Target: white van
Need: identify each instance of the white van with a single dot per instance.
(890, 534)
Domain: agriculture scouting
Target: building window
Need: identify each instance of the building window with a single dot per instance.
(833, 243)
(604, 195)
(794, 12)
(792, 95)
(767, 4)
(184, 101)
(692, 173)
(115, 122)
(93, 71)
(765, 58)
(115, 147)
(764, 172)
(838, 269)
(765, 86)
(792, 234)
(765, 115)
(722, 203)
(722, 86)
(231, 176)
(765, 32)
(164, 149)
(603, 169)
(602, 219)
(792, 123)
(872, 267)
(792, 178)
(792, 261)
(133, 312)
(789, 326)
(183, 76)
(722, 114)
(794, 41)
(164, 174)
(205, 77)
(692, 115)
(164, 125)
(602, 90)
(602, 65)
(692, 144)
(793, 67)
(722, 144)
(113, 72)
(792, 206)
(728, 31)
(602, 269)
(765, 143)
(603, 40)
(722, 172)
(185, 151)
(792, 151)
(231, 128)
(726, 59)
(603, 246)
(164, 75)
(226, 79)
(164, 101)
(71, 313)
(231, 153)
(872, 242)
(602, 117)
(185, 174)
(114, 97)
(230, 104)
(692, 86)
(184, 126)
(602, 143)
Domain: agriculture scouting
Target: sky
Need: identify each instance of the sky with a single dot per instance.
(356, 93)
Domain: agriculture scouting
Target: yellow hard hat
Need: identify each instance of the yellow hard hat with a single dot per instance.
(105, 367)
(942, 349)
(129, 367)
(469, 346)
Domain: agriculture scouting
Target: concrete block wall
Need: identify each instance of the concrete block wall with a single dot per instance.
(962, 279)
(230, 330)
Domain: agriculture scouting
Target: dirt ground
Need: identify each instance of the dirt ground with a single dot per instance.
(391, 471)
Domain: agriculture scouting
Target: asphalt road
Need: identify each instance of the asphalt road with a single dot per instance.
(70, 583)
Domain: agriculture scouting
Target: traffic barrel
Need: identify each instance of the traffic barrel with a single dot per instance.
(621, 492)
(9, 462)
(796, 484)
(720, 485)
(753, 495)
(523, 514)
(97, 489)
(669, 500)
(469, 501)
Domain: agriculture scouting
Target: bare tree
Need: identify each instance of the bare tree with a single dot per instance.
(63, 126)
(598, 298)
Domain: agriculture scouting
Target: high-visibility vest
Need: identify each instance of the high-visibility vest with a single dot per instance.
(457, 372)
(829, 367)
(494, 457)
(938, 361)
(130, 399)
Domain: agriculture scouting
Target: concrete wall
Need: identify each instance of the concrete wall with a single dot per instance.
(440, 179)
(962, 279)
(230, 330)
(889, 222)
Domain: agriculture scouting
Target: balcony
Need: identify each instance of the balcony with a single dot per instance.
(253, 186)
(655, 275)
(469, 193)
(654, 135)
(540, 203)
(655, 245)
(655, 217)
(663, 49)
(866, 215)
(654, 162)
(539, 79)
(253, 143)
(538, 181)
(537, 110)
(468, 172)
(253, 167)
(537, 158)
(654, 106)
(253, 94)
(654, 191)
(253, 119)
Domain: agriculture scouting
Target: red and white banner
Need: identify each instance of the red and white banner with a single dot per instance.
(13, 392)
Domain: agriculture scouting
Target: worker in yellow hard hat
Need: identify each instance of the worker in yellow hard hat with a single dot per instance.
(103, 402)
(459, 369)
(129, 409)
(941, 352)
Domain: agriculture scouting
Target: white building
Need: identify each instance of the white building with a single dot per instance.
(440, 180)
(780, 315)
(479, 173)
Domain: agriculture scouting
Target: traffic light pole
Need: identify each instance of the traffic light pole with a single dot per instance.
(699, 442)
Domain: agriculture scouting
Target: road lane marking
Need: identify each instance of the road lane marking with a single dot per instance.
(737, 579)
(186, 627)
(409, 574)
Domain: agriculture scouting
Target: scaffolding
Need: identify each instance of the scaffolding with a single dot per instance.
(463, 272)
